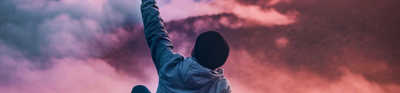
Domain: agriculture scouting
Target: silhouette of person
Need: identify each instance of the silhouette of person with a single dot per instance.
(200, 73)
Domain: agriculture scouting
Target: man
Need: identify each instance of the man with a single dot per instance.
(197, 74)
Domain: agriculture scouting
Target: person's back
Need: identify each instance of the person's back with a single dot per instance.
(197, 74)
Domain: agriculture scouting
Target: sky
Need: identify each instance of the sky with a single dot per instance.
(278, 46)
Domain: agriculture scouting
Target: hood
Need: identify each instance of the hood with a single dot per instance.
(196, 76)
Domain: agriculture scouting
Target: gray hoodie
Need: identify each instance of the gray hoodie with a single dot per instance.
(177, 74)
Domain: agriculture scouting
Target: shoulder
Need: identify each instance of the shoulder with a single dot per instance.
(171, 57)
(223, 85)
(175, 57)
(171, 61)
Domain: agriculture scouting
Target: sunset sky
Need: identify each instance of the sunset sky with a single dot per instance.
(277, 46)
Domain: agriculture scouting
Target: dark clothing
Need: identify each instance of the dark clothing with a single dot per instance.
(176, 73)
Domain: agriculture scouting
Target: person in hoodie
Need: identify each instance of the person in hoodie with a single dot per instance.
(200, 73)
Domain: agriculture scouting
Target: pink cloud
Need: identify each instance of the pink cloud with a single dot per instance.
(74, 65)
(246, 74)
(69, 75)
(181, 9)
(282, 42)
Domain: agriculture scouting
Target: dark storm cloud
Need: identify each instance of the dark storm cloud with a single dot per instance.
(366, 30)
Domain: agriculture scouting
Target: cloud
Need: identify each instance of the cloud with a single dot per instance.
(179, 9)
(274, 78)
(67, 75)
(63, 46)
(282, 42)
(341, 50)
(277, 45)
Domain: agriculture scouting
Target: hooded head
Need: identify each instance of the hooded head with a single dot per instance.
(211, 50)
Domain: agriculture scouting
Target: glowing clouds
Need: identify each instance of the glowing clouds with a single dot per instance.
(65, 75)
(71, 75)
(67, 36)
(84, 46)
(249, 74)
(71, 37)
(184, 47)
(89, 7)
(180, 9)
(267, 17)
(282, 42)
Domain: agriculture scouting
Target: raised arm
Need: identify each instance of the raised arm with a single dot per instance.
(155, 33)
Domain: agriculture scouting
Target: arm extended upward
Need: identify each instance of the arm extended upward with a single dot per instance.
(155, 33)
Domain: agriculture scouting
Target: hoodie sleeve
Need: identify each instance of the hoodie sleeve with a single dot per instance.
(155, 33)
